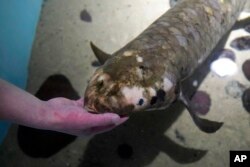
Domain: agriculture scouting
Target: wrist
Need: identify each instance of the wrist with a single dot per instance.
(44, 118)
(50, 118)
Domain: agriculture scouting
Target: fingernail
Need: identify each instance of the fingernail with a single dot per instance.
(116, 119)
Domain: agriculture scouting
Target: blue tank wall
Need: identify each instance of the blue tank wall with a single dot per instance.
(18, 20)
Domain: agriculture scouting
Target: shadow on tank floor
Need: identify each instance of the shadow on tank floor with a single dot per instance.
(159, 138)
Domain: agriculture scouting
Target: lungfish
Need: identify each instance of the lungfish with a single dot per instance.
(147, 73)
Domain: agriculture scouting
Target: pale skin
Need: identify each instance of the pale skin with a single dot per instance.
(57, 114)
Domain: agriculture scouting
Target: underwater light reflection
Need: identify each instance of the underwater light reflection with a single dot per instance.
(224, 67)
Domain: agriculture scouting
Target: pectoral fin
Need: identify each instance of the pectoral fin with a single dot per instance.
(203, 124)
(100, 55)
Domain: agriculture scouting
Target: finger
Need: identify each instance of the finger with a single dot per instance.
(122, 120)
(105, 119)
(89, 131)
(100, 129)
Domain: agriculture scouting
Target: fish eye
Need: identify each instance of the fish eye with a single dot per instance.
(140, 102)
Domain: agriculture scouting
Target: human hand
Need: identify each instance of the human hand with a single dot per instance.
(69, 116)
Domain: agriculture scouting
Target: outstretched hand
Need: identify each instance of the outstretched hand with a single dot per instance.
(57, 114)
(69, 116)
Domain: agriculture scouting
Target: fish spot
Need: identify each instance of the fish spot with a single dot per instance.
(142, 72)
(141, 101)
(200, 61)
(163, 23)
(132, 94)
(139, 59)
(128, 53)
(182, 40)
(195, 83)
(164, 47)
(85, 16)
(208, 10)
(161, 94)
(101, 78)
(167, 84)
(146, 72)
(139, 72)
(175, 31)
(153, 100)
(151, 91)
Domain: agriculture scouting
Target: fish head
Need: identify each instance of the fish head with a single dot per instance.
(126, 84)
(102, 94)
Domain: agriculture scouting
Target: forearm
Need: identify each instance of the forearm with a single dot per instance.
(57, 114)
(20, 107)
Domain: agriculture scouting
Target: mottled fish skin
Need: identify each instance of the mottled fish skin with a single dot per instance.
(145, 74)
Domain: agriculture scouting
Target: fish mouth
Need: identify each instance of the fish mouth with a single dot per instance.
(90, 109)
(90, 105)
(97, 106)
(96, 101)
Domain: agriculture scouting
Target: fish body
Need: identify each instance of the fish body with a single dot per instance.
(147, 72)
